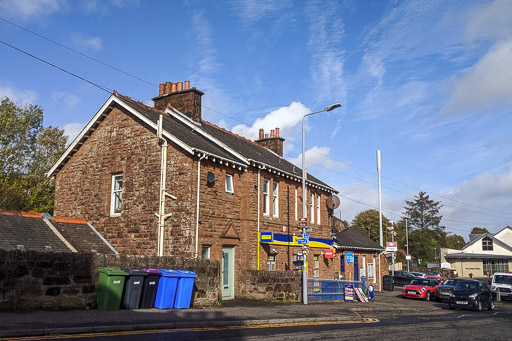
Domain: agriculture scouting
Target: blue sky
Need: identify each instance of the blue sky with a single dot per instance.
(429, 83)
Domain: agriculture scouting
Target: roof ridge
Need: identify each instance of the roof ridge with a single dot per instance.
(69, 220)
(232, 133)
(29, 214)
(128, 98)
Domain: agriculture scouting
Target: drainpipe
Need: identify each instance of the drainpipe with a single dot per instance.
(163, 178)
(380, 277)
(258, 237)
(198, 191)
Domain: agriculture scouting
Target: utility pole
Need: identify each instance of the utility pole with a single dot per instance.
(407, 244)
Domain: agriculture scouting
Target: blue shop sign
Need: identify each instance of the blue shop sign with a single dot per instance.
(349, 257)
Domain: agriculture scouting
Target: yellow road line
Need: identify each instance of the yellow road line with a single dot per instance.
(161, 331)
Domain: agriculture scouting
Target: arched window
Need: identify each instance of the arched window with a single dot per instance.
(487, 244)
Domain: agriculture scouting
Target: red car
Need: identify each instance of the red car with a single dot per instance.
(424, 288)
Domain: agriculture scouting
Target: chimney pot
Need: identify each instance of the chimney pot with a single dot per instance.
(173, 87)
(272, 133)
(277, 132)
(161, 89)
(262, 133)
(180, 86)
(266, 136)
(187, 85)
(167, 88)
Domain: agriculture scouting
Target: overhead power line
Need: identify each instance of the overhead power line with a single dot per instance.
(57, 67)
(77, 52)
(235, 119)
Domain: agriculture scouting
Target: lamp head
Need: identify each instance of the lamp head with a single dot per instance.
(332, 107)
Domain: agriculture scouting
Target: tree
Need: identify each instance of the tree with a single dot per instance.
(426, 234)
(454, 241)
(479, 230)
(27, 151)
(370, 219)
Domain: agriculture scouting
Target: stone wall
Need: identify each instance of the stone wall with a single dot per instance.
(274, 285)
(49, 280)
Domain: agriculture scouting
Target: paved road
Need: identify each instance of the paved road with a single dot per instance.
(437, 324)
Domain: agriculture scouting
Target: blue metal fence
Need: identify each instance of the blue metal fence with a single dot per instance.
(321, 290)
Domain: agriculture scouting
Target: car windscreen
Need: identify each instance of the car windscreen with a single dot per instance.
(503, 279)
(466, 287)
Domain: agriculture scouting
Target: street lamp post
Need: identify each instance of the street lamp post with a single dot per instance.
(407, 243)
(304, 203)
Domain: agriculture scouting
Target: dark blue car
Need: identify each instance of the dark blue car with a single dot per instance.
(471, 294)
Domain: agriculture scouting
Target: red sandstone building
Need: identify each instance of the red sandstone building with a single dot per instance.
(162, 181)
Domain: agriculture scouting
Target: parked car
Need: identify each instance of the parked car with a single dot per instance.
(439, 278)
(423, 288)
(434, 273)
(502, 281)
(471, 294)
(444, 290)
(401, 278)
(418, 274)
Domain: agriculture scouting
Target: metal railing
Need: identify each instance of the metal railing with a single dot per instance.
(322, 290)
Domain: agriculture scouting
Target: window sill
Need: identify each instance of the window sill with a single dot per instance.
(115, 214)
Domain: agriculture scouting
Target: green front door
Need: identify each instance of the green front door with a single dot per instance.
(228, 272)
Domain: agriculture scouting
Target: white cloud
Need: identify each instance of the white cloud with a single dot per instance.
(27, 9)
(490, 20)
(287, 119)
(22, 97)
(255, 10)
(488, 82)
(104, 6)
(86, 43)
(72, 130)
(69, 100)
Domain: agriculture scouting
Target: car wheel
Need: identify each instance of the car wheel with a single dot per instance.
(427, 296)
(403, 296)
(491, 305)
(451, 307)
(479, 306)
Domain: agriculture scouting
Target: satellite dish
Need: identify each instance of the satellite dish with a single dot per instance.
(333, 202)
(210, 178)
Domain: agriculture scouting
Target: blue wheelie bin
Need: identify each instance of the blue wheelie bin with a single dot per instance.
(184, 290)
(166, 291)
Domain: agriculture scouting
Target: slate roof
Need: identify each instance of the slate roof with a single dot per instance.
(249, 149)
(352, 239)
(470, 255)
(82, 236)
(202, 138)
(30, 232)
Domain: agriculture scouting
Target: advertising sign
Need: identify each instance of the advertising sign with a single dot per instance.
(349, 257)
(391, 246)
(349, 292)
(328, 253)
(266, 237)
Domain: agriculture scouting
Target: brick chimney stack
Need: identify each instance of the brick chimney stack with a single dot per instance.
(186, 100)
(274, 142)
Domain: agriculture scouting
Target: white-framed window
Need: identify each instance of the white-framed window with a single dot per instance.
(271, 262)
(311, 207)
(116, 195)
(318, 209)
(205, 252)
(229, 183)
(363, 273)
(296, 212)
(371, 271)
(265, 197)
(275, 199)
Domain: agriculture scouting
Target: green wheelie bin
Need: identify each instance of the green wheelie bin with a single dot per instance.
(110, 288)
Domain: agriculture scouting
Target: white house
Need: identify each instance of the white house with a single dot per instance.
(483, 255)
